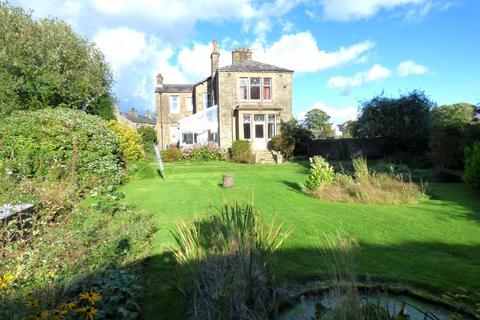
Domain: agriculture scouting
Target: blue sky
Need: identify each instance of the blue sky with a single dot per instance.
(342, 51)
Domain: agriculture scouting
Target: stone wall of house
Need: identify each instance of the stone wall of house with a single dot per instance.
(231, 107)
(166, 121)
(200, 90)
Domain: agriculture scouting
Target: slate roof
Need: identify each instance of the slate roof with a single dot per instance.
(251, 65)
(175, 88)
(140, 119)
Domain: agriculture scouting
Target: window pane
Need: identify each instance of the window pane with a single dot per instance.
(255, 93)
(259, 131)
(267, 93)
(246, 131)
(243, 92)
(255, 81)
(246, 118)
(243, 82)
(259, 118)
(174, 105)
(205, 100)
(271, 118)
(271, 130)
(267, 81)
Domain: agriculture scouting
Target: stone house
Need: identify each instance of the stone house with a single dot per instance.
(134, 120)
(245, 100)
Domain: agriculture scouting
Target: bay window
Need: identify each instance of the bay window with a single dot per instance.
(255, 89)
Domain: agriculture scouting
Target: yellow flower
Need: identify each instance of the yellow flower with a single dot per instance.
(32, 303)
(5, 279)
(89, 312)
(90, 296)
(68, 305)
(59, 314)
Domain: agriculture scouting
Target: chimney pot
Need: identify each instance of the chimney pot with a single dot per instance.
(159, 80)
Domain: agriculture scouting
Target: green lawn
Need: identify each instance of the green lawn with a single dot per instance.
(434, 245)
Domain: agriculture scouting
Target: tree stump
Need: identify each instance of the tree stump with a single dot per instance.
(228, 181)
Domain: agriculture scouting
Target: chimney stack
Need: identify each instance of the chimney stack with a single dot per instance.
(159, 80)
(240, 55)
(133, 112)
(148, 115)
(215, 58)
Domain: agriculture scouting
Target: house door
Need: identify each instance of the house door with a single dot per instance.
(259, 139)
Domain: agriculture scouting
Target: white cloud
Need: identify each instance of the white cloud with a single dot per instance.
(121, 46)
(194, 62)
(409, 67)
(301, 53)
(346, 10)
(375, 73)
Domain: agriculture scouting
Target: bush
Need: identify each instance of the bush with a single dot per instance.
(142, 170)
(93, 249)
(149, 138)
(242, 151)
(130, 141)
(171, 154)
(203, 152)
(321, 172)
(472, 165)
(57, 144)
(366, 187)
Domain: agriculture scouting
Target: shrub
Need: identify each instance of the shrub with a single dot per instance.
(294, 139)
(142, 170)
(365, 187)
(321, 172)
(149, 138)
(171, 154)
(203, 152)
(225, 264)
(472, 165)
(58, 144)
(130, 141)
(242, 151)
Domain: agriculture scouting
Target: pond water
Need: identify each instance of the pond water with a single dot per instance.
(321, 308)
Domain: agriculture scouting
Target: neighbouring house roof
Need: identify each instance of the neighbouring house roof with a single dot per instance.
(250, 65)
(201, 81)
(140, 119)
(175, 88)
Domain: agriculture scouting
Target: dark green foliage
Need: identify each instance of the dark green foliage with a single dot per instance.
(405, 122)
(149, 138)
(348, 128)
(446, 175)
(318, 120)
(472, 165)
(55, 144)
(171, 154)
(451, 129)
(43, 63)
(242, 151)
(294, 139)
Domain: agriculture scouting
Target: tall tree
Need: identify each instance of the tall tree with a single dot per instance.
(43, 63)
(318, 120)
(348, 128)
(459, 114)
(406, 122)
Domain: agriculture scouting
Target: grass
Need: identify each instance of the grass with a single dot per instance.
(434, 245)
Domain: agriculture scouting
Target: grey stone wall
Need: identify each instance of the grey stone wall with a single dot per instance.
(166, 121)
